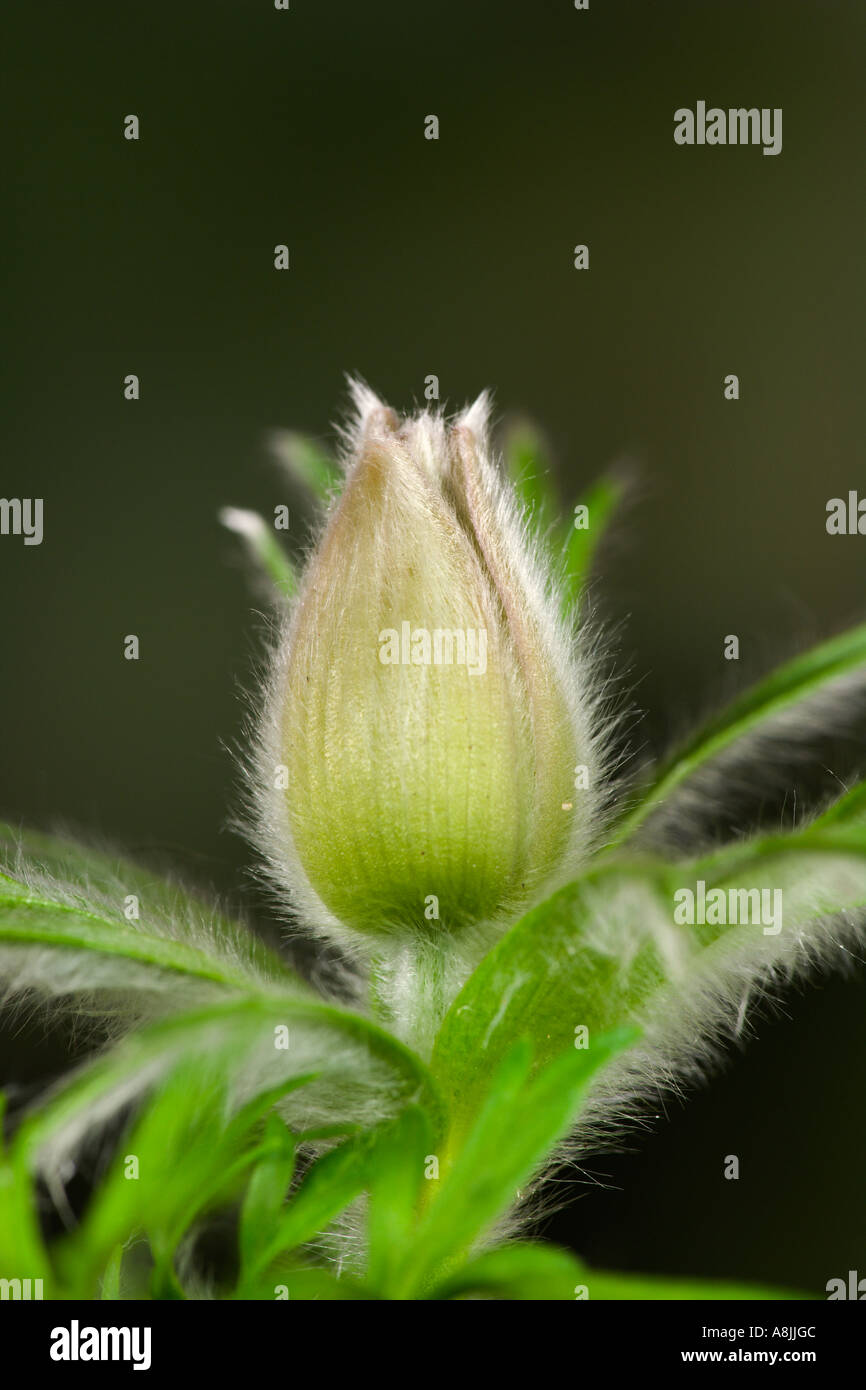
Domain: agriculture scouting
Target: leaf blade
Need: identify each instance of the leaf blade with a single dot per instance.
(522, 1117)
(60, 896)
(307, 463)
(520, 1272)
(269, 559)
(779, 694)
(580, 545)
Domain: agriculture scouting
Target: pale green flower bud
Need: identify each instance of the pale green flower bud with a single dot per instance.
(427, 708)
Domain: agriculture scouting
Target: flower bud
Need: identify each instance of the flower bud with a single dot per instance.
(426, 706)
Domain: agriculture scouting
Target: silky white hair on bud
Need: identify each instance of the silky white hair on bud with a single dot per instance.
(445, 481)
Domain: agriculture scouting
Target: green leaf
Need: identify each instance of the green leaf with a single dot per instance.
(396, 1181)
(22, 1252)
(255, 1110)
(573, 549)
(849, 809)
(597, 952)
(354, 1061)
(266, 1193)
(331, 1184)
(35, 858)
(306, 1283)
(191, 1142)
(190, 1155)
(580, 544)
(492, 1156)
(307, 463)
(517, 1272)
(157, 1181)
(59, 896)
(527, 462)
(101, 872)
(805, 678)
(54, 925)
(336, 1179)
(544, 979)
(607, 1287)
(109, 1288)
(818, 873)
(268, 556)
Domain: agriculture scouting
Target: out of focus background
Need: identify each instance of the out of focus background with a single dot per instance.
(411, 257)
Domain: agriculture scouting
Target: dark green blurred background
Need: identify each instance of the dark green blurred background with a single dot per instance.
(411, 257)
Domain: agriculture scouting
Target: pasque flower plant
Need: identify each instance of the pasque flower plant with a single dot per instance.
(434, 794)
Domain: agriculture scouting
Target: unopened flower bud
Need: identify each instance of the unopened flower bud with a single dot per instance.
(426, 707)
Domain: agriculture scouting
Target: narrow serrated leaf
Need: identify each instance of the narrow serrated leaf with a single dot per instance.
(493, 1154)
(775, 703)
(266, 1192)
(527, 463)
(526, 1271)
(604, 1286)
(268, 556)
(580, 543)
(396, 1182)
(307, 463)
